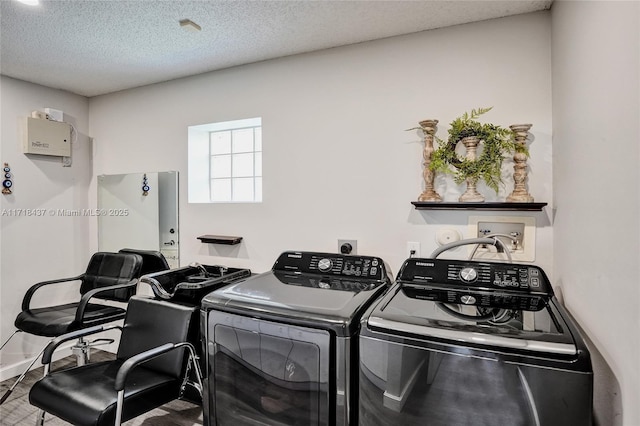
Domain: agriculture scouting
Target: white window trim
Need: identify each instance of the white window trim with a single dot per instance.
(199, 159)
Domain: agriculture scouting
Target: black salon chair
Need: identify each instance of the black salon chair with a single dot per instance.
(109, 277)
(152, 361)
(152, 260)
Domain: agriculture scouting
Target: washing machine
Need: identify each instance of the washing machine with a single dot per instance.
(458, 342)
(282, 345)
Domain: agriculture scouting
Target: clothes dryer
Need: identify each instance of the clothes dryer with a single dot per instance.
(282, 345)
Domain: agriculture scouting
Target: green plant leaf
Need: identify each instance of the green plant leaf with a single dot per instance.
(496, 141)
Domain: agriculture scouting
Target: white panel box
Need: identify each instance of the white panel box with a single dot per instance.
(46, 137)
(521, 229)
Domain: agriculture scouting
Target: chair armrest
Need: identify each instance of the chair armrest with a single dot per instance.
(91, 293)
(54, 343)
(132, 362)
(26, 301)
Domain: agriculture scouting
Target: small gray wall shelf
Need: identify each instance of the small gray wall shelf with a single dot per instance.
(504, 206)
(220, 239)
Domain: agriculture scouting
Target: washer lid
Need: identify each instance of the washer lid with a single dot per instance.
(480, 318)
(315, 300)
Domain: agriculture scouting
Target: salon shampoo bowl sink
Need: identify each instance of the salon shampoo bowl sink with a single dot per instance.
(192, 283)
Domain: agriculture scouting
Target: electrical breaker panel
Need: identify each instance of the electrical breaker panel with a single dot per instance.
(47, 137)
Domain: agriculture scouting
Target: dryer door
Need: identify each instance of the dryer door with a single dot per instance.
(263, 372)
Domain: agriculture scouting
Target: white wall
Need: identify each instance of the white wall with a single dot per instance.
(38, 248)
(338, 162)
(596, 135)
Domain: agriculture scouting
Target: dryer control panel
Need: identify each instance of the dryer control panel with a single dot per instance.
(332, 264)
(475, 274)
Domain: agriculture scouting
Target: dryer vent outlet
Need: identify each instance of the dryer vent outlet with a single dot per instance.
(348, 246)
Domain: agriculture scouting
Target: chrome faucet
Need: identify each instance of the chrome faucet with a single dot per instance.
(200, 267)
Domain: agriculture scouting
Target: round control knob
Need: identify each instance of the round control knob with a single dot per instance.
(324, 284)
(468, 275)
(325, 264)
(467, 299)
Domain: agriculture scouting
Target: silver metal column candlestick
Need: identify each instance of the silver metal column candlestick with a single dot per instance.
(520, 193)
(429, 193)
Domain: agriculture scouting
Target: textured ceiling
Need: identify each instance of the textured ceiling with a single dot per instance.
(93, 47)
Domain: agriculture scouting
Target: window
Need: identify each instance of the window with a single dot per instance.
(225, 162)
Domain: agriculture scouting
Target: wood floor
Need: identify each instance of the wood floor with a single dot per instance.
(16, 410)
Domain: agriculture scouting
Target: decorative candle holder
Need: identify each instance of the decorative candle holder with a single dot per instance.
(520, 193)
(471, 195)
(429, 193)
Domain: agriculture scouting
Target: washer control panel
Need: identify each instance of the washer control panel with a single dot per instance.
(332, 264)
(489, 299)
(461, 273)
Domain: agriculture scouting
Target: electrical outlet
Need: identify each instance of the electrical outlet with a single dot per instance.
(348, 246)
(515, 232)
(413, 249)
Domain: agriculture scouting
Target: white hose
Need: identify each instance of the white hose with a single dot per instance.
(466, 242)
(499, 241)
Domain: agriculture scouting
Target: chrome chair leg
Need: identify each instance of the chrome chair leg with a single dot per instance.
(119, 406)
(7, 341)
(40, 418)
(193, 362)
(24, 373)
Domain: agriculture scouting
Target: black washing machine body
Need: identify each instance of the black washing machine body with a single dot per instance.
(472, 343)
(282, 345)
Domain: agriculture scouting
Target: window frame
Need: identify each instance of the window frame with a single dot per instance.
(201, 173)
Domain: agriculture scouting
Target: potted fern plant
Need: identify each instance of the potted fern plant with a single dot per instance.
(495, 143)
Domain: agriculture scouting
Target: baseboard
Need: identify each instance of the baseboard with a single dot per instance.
(14, 370)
